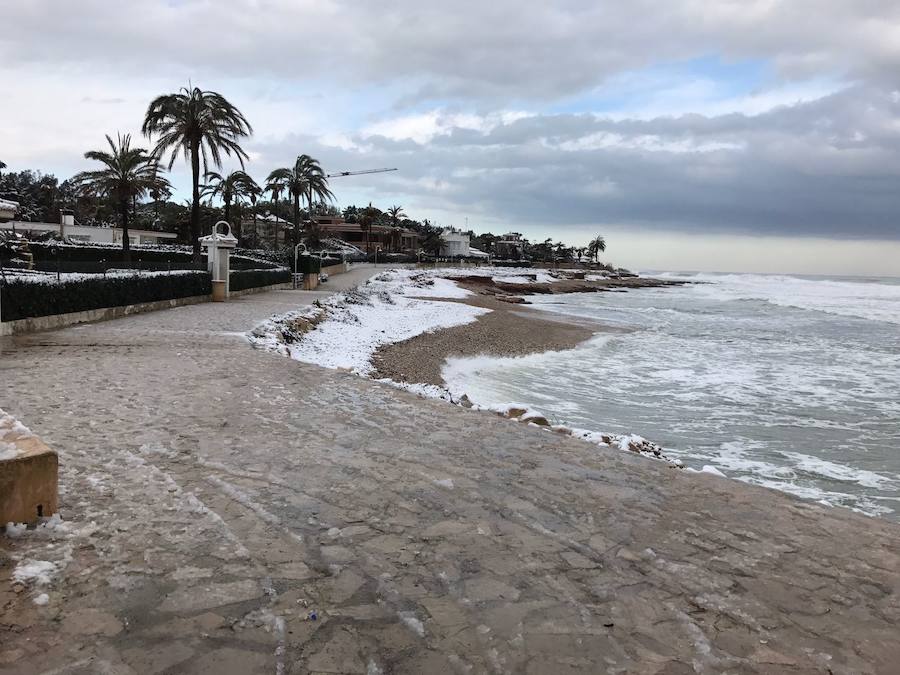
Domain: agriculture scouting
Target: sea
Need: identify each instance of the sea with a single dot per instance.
(790, 382)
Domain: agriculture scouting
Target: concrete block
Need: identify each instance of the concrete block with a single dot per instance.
(29, 474)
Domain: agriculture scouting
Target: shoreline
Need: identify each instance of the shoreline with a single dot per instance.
(401, 326)
(511, 329)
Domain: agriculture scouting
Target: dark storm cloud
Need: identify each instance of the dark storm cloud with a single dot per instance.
(826, 168)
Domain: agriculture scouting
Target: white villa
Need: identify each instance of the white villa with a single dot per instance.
(7, 210)
(454, 243)
(104, 235)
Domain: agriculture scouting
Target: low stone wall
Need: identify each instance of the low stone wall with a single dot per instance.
(28, 474)
(332, 270)
(261, 289)
(53, 321)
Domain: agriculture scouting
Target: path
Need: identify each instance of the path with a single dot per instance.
(216, 494)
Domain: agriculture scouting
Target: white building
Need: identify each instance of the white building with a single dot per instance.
(454, 243)
(7, 209)
(103, 235)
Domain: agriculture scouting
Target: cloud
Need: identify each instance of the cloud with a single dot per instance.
(751, 116)
(500, 50)
(826, 168)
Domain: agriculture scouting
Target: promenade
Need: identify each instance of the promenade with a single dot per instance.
(230, 511)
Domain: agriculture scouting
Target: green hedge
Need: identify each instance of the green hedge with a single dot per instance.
(309, 264)
(239, 280)
(21, 299)
(88, 258)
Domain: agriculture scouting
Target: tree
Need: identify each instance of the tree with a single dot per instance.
(431, 238)
(159, 193)
(232, 188)
(395, 213)
(276, 184)
(200, 125)
(367, 219)
(128, 173)
(595, 247)
(305, 180)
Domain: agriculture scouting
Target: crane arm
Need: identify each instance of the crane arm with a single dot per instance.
(341, 174)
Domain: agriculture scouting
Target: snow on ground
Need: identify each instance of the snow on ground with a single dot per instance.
(351, 326)
(345, 330)
(10, 430)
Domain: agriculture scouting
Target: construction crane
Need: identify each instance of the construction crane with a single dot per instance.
(341, 174)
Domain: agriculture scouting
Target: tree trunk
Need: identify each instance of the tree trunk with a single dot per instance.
(296, 218)
(195, 205)
(276, 224)
(126, 242)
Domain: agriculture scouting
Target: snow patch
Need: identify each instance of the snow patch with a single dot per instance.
(36, 572)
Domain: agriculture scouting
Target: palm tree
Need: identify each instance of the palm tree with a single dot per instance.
(231, 188)
(595, 247)
(366, 220)
(305, 179)
(200, 125)
(253, 193)
(396, 213)
(128, 173)
(275, 186)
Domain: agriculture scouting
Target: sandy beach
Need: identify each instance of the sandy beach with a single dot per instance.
(510, 329)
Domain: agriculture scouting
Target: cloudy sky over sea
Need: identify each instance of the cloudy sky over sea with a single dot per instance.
(720, 135)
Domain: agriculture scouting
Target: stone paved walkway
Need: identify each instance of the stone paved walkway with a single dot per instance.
(215, 495)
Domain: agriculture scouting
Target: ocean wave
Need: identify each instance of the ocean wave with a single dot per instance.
(865, 299)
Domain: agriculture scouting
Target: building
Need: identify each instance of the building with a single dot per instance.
(381, 237)
(510, 247)
(7, 210)
(270, 230)
(102, 235)
(454, 243)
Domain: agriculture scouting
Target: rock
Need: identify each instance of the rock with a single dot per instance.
(540, 420)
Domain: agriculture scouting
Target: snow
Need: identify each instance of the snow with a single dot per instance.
(11, 430)
(42, 599)
(15, 530)
(445, 482)
(356, 323)
(37, 572)
(413, 623)
(50, 278)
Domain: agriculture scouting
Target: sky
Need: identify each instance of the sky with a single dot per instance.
(717, 135)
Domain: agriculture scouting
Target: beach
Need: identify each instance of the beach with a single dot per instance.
(293, 518)
(512, 328)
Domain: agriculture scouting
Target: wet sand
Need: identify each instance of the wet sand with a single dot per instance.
(511, 329)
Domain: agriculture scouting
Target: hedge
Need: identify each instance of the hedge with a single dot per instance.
(21, 299)
(239, 280)
(309, 264)
(88, 257)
